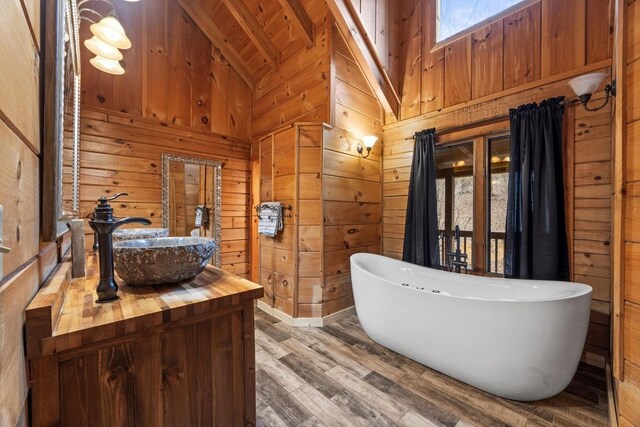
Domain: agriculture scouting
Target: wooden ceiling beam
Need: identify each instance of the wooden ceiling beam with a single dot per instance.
(365, 54)
(254, 31)
(295, 10)
(208, 27)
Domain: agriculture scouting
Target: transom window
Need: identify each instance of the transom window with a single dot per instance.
(455, 16)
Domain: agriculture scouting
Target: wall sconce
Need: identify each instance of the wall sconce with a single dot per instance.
(584, 86)
(369, 141)
(108, 38)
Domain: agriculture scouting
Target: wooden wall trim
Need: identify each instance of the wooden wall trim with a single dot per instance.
(619, 190)
(529, 87)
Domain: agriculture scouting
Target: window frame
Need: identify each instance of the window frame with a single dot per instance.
(480, 239)
(487, 199)
(475, 27)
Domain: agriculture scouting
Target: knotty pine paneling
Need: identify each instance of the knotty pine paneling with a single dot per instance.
(299, 90)
(545, 39)
(355, 105)
(290, 173)
(521, 43)
(27, 266)
(381, 20)
(337, 200)
(351, 184)
(564, 35)
(432, 89)
(122, 153)
(487, 59)
(592, 220)
(411, 58)
(173, 74)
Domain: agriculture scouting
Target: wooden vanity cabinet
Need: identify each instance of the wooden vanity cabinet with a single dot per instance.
(167, 356)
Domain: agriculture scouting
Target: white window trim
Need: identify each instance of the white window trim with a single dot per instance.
(490, 20)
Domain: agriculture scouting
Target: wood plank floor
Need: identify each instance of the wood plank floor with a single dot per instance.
(336, 376)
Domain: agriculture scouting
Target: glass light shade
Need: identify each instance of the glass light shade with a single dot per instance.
(587, 84)
(100, 48)
(369, 140)
(111, 32)
(109, 66)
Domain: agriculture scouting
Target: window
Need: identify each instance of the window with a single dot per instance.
(474, 198)
(455, 16)
(498, 184)
(454, 185)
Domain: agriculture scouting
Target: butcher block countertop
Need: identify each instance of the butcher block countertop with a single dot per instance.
(64, 314)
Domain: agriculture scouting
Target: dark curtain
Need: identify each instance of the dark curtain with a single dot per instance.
(421, 228)
(536, 237)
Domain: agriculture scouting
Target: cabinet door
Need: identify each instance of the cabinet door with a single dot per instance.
(189, 375)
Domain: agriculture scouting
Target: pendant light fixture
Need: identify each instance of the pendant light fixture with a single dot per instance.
(108, 38)
(100, 48)
(109, 66)
(110, 31)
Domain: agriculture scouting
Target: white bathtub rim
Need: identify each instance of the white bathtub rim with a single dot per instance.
(582, 289)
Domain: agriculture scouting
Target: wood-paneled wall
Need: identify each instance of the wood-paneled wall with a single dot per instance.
(30, 261)
(626, 248)
(588, 176)
(544, 39)
(178, 95)
(173, 73)
(381, 20)
(122, 153)
(291, 263)
(351, 184)
(299, 90)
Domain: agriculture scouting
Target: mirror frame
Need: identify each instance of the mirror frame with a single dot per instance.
(217, 196)
(60, 15)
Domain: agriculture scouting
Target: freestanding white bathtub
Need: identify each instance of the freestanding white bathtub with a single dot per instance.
(518, 339)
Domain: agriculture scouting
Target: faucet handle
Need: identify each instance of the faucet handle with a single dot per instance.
(115, 196)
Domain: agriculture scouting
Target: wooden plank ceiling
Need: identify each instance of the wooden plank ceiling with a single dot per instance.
(252, 34)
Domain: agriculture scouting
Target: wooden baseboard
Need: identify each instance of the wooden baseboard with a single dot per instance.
(316, 322)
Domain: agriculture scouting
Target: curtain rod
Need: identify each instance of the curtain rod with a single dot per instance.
(457, 128)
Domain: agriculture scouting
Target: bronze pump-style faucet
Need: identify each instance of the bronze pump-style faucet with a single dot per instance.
(104, 224)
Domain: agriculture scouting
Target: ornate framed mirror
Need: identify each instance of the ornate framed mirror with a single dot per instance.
(191, 198)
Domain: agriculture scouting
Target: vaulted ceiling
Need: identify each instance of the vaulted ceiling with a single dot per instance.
(253, 35)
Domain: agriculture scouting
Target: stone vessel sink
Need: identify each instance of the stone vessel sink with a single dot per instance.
(148, 262)
(139, 233)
